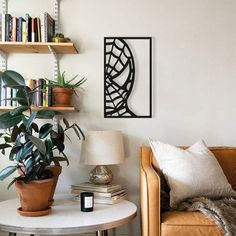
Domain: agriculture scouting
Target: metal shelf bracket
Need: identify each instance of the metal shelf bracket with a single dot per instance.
(55, 61)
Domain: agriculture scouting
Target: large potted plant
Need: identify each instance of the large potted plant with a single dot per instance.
(63, 90)
(32, 149)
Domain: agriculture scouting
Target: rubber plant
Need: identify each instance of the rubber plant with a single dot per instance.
(31, 148)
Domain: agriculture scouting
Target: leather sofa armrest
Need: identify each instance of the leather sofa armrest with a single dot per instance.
(149, 194)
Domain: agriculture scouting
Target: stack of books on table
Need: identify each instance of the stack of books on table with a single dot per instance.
(104, 194)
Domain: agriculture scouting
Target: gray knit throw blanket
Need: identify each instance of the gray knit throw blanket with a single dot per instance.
(221, 211)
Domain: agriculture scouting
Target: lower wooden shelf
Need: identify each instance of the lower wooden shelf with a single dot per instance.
(61, 109)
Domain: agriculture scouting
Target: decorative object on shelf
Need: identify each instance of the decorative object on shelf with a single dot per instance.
(128, 94)
(32, 148)
(86, 201)
(59, 38)
(63, 90)
(102, 148)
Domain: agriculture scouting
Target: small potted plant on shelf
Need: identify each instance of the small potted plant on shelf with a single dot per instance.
(63, 90)
(60, 38)
(32, 149)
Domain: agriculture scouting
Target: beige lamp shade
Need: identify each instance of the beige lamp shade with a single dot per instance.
(103, 148)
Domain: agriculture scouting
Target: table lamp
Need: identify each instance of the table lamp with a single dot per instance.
(102, 148)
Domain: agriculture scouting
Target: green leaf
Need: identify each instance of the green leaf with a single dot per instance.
(44, 114)
(26, 150)
(4, 145)
(66, 122)
(12, 78)
(81, 132)
(11, 183)
(29, 165)
(22, 127)
(28, 122)
(7, 120)
(49, 152)
(15, 132)
(8, 139)
(39, 144)
(18, 110)
(22, 93)
(7, 172)
(45, 130)
(35, 127)
(14, 151)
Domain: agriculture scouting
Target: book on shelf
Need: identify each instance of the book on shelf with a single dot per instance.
(101, 194)
(3, 27)
(41, 98)
(96, 187)
(27, 28)
(8, 27)
(19, 29)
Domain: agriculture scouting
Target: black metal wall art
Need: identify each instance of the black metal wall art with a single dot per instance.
(127, 77)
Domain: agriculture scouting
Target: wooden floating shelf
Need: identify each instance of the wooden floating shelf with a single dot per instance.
(60, 109)
(30, 47)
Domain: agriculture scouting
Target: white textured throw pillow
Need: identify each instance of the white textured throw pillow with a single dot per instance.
(192, 172)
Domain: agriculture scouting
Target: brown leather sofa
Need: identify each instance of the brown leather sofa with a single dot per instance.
(173, 223)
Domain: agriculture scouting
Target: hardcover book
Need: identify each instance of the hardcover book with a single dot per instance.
(96, 187)
(3, 27)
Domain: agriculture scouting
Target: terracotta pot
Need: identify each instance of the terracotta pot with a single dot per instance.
(62, 96)
(34, 195)
(56, 171)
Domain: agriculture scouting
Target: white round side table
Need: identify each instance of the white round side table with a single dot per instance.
(66, 218)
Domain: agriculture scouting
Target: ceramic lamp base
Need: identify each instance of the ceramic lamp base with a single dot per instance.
(101, 175)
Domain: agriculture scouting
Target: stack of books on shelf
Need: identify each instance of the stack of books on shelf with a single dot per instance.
(41, 98)
(28, 29)
(103, 194)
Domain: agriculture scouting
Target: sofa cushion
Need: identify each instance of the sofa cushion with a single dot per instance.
(227, 160)
(193, 172)
(183, 223)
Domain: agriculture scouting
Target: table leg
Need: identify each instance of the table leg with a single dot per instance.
(12, 234)
(102, 233)
(105, 233)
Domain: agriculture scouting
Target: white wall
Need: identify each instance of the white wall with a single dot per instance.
(194, 74)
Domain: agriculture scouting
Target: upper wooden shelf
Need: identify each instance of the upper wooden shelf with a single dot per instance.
(29, 47)
(60, 109)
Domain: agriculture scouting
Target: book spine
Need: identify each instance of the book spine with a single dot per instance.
(39, 29)
(8, 95)
(24, 34)
(3, 95)
(19, 30)
(32, 30)
(14, 29)
(50, 28)
(14, 103)
(44, 92)
(42, 27)
(3, 27)
(35, 29)
(50, 97)
(0, 92)
(34, 95)
(8, 27)
(40, 94)
(28, 27)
